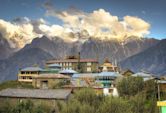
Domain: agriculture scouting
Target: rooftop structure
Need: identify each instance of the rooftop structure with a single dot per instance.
(49, 70)
(49, 81)
(54, 66)
(31, 69)
(56, 94)
(127, 72)
(108, 67)
(107, 78)
(76, 63)
(69, 72)
(109, 74)
(146, 76)
(26, 74)
(51, 76)
(71, 61)
(84, 75)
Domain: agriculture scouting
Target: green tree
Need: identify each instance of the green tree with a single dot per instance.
(138, 103)
(130, 86)
(115, 105)
(83, 101)
(150, 88)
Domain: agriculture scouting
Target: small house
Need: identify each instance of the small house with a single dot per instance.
(26, 74)
(108, 67)
(106, 79)
(49, 81)
(127, 73)
(145, 75)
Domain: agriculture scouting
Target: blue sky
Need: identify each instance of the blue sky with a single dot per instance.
(152, 11)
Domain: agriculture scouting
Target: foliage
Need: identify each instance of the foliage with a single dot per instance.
(83, 101)
(24, 107)
(136, 96)
(150, 88)
(130, 86)
(115, 105)
(86, 101)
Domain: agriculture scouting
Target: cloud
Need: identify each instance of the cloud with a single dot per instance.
(22, 31)
(17, 34)
(76, 25)
(100, 23)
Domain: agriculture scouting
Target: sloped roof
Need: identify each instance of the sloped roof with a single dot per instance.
(79, 75)
(52, 76)
(145, 76)
(79, 83)
(60, 94)
(142, 74)
(54, 65)
(50, 70)
(31, 69)
(161, 81)
(68, 71)
(112, 74)
(107, 65)
(71, 60)
(126, 70)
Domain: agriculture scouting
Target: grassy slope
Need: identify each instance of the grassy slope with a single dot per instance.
(14, 84)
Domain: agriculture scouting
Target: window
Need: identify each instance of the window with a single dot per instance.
(110, 90)
(22, 72)
(44, 84)
(89, 63)
(88, 69)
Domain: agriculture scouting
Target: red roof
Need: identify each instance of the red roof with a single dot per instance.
(72, 60)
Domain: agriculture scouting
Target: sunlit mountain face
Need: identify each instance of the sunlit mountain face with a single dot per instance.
(117, 30)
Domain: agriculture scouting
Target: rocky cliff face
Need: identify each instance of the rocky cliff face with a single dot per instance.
(10, 67)
(92, 48)
(45, 48)
(152, 59)
(5, 49)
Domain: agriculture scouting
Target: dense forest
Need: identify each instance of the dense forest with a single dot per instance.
(135, 96)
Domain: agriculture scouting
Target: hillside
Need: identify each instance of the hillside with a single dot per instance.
(23, 58)
(5, 49)
(92, 48)
(44, 48)
(153, 60)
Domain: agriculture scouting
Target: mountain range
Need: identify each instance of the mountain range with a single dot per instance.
(151, 60)
(127, 54)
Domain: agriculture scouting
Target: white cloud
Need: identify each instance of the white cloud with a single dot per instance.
(17, 34)
(77, 24)
(100, 23)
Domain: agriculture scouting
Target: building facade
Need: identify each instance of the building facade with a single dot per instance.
(108, 67)
(127, 73)
(77, 64)
(26, 74)
(50, 81)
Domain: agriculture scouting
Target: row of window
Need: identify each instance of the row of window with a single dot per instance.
(23, 72)
(70, 64)
(25, 77)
